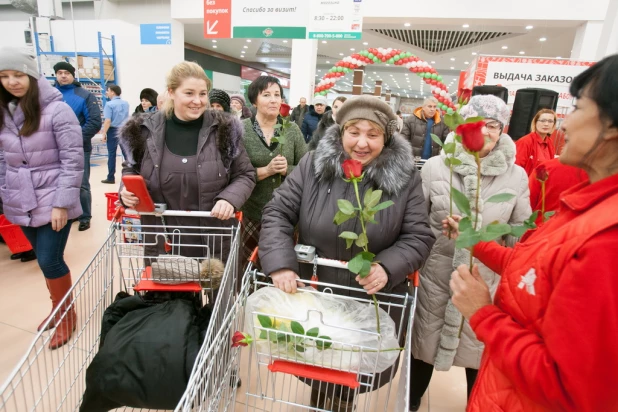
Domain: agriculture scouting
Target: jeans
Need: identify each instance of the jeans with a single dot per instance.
(49, 248)
(112, 148)
(85, 197)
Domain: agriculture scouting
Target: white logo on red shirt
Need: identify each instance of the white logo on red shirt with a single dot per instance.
(527, 281)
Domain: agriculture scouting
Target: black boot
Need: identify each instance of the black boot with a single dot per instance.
(28, 256)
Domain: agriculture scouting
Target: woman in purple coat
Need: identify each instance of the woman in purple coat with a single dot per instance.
(41, 168)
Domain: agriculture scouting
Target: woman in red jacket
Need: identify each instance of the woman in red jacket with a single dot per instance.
(537, 146)
(550, 335)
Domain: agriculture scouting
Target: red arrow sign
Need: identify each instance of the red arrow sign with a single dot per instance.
(217, 19)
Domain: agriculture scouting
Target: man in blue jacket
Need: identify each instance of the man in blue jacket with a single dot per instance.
(313, 117)
(88, 112)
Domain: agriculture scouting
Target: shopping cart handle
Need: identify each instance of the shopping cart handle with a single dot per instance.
(254, 256)
(239, 216)
(118, 213)
(414, 278)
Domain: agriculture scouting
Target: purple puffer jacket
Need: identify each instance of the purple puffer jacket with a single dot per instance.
(44, 170)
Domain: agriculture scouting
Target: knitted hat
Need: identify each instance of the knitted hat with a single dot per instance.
(240, 98)
(221, 97)
(64, 66)
(14, 58)
(150, 95)
(487, 106)
(320, 100)
(369, 108)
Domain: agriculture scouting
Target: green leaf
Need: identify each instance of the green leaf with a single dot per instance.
(313, 332)
(282, 337)
(265, 321)
(468, 239)
(474, 119)
(449, 148)
(272, 336)
(449, 121)
(277, 126)
(362, 240)
(531, 222)
(349, 235)
(361, 263)
(458, 138)
(297, 328)
(323, 344)
(300, 348)
(374, 199)
(367, 196)
(549, 214)
(345, 206)
(341, 217)
(455, 161)
(461, 201)
(465, 224)
(500, 197)
(437, 140)
(263, 334)
(501, 229)
(518, 231)
(382, 206)
(458, 119)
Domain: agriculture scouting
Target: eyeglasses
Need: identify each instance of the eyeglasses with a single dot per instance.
(493, 126)
(547, 121)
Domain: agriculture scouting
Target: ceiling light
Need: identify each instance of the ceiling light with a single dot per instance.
(433, 62)
(245, 47)
(558, 57)
(466, 62)
(285, 41)
(529, 27)
(214, 47)
(543, 39)
(352, 49)
(324, 41)
(374, 72)
(452, 59)
(465, 26)
(214, 41)
(242, 51)
(522, 52)
(327, 62)
(242, 56)
(474, 53)
(365, 44)
(505, 47)
(319, 71)
(340, 54)
(407, 24)
(452, 68)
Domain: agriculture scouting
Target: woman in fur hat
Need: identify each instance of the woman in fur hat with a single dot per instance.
(148, 101)
(238, 106)
(366, 130)
(434, 341)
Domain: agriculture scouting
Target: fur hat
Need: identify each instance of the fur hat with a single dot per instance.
(14, 58)
(487, 106)
(221, 97)
(64, 66)
(150, 95)
(240, 98)
(369, 108)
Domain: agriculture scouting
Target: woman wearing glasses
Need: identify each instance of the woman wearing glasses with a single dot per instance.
(435, 342)
(537, 147)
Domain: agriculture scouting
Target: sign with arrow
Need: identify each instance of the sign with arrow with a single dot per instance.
(217, 19)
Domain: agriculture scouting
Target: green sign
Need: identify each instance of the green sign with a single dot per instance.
(272, 32)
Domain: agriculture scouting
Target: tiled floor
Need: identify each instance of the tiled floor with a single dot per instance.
(24, 302)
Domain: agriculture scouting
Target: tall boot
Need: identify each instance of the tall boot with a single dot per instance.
(66, 317)
(52, 323)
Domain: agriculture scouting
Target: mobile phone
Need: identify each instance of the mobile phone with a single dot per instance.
(136, 185)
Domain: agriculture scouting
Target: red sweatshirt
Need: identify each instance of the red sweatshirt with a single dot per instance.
(551, 334)
(532, 150)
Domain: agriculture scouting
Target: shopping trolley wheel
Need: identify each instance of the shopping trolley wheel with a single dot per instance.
(235, 380)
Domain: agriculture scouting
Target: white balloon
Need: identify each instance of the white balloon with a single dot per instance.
(389, 50)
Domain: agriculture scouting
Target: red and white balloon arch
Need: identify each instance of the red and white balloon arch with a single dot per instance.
(389, 56)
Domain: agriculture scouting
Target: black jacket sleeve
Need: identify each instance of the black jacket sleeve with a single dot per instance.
(93, 117)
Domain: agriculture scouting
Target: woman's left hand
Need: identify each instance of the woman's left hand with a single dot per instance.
(375, 281)
(470, 292)
(223, 210)
(59, 218)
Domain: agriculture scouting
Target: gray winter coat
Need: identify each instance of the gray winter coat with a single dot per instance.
(44, 170)
(223, 167)
(308, 198)
(499, 175)
(415, 127)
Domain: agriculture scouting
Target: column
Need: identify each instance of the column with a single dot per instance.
(357, 88)
(587, 39)
(378, 89)
(49, 8)
(609, 34)
(388, 96)
(302, 71)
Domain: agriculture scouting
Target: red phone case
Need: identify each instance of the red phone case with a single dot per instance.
(136, 185)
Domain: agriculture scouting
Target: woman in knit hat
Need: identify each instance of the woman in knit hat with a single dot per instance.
(435, 342)
(148, 101)
(366, 131)
(219, 100)
(238, 106)
(41, 168)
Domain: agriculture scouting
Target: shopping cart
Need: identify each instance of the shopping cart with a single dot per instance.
(271, 377)
(47, 380)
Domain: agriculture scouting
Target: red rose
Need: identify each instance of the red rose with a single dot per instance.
(284, 110)
(472, 136)
(541, 173)
(352, 168)
(240, 339)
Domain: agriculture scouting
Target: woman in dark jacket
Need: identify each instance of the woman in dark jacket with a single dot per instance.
(327, 121)
(191, 159)
(147, 101)
(41, 168)
(365, 131)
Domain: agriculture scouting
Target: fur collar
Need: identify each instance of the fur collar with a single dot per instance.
(495, 163)
(228, 133)
(391, 171)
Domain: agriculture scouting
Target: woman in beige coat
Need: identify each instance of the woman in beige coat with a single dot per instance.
(436, 326)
